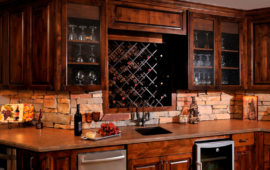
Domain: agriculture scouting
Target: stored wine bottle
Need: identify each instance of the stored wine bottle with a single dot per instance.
(78, 122)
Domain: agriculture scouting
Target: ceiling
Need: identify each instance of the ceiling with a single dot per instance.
(237, 4)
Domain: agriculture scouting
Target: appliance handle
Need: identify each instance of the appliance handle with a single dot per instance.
(200, 166)
(103, 160)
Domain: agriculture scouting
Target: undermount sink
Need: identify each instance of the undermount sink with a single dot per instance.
(152, 131)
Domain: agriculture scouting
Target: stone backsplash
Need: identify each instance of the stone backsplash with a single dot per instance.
(59, 107)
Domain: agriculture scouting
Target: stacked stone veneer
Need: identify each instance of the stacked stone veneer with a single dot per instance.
(59, 107)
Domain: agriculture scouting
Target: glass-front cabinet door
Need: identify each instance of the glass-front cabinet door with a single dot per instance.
(202, 53)
(85, 38)
(230, 54)
(215, 54)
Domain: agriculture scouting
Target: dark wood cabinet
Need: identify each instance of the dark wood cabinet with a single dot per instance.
(216, 52)
(84, 39)
(28, 160)
(171, 155)
(1, 46)
(17, 50)
(28, 46)
(245, 151)
(258, 52)
(170, 162)
(41, 43)
(159, 18)
(266, 151)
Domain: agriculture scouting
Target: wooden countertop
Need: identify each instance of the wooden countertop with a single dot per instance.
(49, 139)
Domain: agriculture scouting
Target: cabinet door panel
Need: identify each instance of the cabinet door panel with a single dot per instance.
(244, 158)
(179, 162)
(145, 164)
(1, 48)
(261, 53)
(17, 47)
(41, 57)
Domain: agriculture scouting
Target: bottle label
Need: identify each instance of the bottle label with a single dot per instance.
(79, 126)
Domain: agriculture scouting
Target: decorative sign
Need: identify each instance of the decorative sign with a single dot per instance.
(16, 113)
(250, 107)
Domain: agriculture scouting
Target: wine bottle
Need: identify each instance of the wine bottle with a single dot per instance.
(78, 122)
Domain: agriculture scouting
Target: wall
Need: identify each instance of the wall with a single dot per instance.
(59, 107)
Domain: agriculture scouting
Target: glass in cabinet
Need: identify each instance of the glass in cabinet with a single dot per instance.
(202, 51)
(230, 56)
(84, 59)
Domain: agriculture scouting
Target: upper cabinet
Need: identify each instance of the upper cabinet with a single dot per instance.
(27, 54)
(215, 52)
(84, 44)
(259, 50)
(146, 17)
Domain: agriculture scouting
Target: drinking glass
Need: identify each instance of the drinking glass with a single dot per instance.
(196, 79)
(208, 79)
(206, 45)
(92, 77)
(223, 63)
(203, 80)
(92, 33)
(79, 77)
(72, 35)
(195, 62)
(79, 57)
(92, 57)
(207, 61)
(200, 60)
(82, 34)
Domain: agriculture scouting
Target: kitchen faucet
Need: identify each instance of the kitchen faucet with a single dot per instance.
(145, 116)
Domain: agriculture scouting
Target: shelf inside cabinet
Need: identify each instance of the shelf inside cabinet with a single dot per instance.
(84, 63)
(230, 51)
(205, 67)
(84, 41)
(204, 49)
(230, 68)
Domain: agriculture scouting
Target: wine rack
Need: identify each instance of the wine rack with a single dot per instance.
(138, 75)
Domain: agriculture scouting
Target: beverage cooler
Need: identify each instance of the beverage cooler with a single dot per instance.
(215, 155)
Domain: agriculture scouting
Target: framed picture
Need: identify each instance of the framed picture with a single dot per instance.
(250, 107)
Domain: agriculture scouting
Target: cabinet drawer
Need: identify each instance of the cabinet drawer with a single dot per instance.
(141, 17)
(243, 139)
(154, 149)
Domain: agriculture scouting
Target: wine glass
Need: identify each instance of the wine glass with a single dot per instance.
(207, 62)
(92, 33)
(200, 61)
(92, 77)
(223, 63)
(79, 57)
(208, 80)
(72, 35)
(82, 34)
(92, 57)
(206, 45)
(79, 77)
(196, 79)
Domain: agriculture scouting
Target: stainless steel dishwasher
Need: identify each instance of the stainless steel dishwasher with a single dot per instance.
(113, 160)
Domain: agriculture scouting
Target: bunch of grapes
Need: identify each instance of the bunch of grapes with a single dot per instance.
(107, 129)
(7, 113)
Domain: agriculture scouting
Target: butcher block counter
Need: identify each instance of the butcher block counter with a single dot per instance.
(49, 139)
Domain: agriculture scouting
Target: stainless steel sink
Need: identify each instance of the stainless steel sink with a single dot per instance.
(152, 131)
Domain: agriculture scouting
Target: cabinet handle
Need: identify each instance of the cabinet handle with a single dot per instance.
(243, 140)
(31, 162)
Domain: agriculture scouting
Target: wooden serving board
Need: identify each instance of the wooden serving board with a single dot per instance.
(99, 137)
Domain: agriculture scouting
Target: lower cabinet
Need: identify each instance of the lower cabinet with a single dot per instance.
(27, 160)
(266, 151)
(245, 155)
(244, 158)
(170, 162)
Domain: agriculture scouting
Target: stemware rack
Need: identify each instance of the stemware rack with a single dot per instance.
(138, 75)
